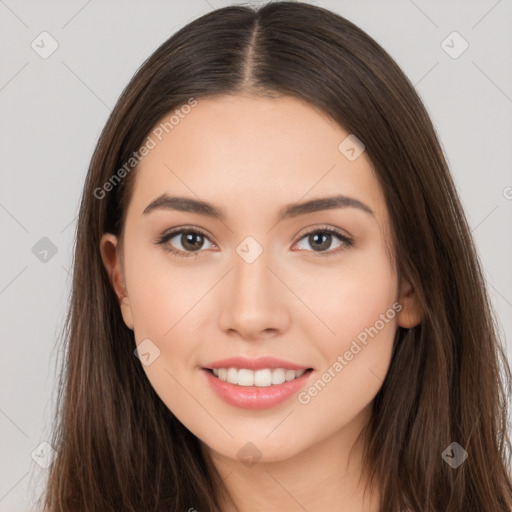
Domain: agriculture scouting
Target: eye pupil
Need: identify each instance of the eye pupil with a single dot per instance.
(189, 243)
(325, 237)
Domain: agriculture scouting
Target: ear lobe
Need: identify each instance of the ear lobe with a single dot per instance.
(410, 314)
(111, 257)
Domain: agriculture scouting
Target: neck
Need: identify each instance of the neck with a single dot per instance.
(327, 472)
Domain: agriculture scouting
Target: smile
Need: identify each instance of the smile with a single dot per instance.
(260, 378)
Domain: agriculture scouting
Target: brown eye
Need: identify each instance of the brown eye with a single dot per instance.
(184, 242)
(321, 241)
(191, 241)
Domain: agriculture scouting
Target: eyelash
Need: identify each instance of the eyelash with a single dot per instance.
(347, 242)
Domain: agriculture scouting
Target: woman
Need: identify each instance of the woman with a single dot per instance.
(277, 303)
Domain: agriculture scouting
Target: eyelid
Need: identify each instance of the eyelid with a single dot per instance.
(324, 227)
(179, 229)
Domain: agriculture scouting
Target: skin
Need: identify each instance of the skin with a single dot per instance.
(251, 157)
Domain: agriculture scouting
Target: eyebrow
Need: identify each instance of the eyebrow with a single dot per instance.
(187, 204)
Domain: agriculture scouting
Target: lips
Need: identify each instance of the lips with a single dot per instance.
(253, 397)
(259, 363)
(262, 392)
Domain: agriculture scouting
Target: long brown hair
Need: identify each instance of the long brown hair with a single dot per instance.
(120, 448)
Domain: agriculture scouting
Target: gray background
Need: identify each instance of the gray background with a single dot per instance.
(52, 111)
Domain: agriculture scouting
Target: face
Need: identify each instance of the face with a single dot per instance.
(249, 277)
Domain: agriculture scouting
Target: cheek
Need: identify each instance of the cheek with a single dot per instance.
(162, 307)
(346, 297)
(353, 328)
(161, 294)
(163, 301)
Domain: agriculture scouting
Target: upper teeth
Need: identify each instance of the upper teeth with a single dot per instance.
(264, 377)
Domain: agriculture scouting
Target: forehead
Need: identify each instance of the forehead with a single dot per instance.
(259, 150)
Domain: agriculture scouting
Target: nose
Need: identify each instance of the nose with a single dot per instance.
(253, 301)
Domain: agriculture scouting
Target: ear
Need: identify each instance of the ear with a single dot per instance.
(410, 314)
(110, 254)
